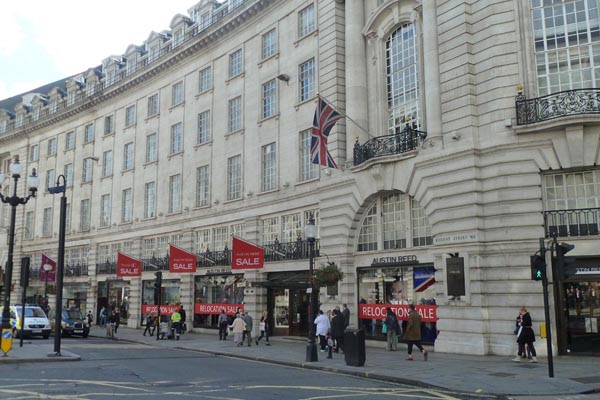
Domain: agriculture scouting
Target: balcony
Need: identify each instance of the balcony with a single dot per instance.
(106, 268)
(76, 269)
(403, 141)
(579, 222)
(557, 105)
(297, 250)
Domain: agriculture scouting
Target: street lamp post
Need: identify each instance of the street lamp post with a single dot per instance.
(61, 259)
(47, 268)
(14, 200)
(310, 232)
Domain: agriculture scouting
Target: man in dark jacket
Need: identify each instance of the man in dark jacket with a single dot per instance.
(346, 313)
(183, 325)
(338, 326)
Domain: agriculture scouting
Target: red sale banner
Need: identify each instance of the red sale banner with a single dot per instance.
(181, 261)
(164, 309)
(230, 309)
(378, 311)
(128, 266)
(245, 255)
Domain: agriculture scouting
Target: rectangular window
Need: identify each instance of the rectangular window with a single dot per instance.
(205, 20)
(236, 63)
(204, 127)
(308, 170)
(34, 152)
(107, 163)
(202, 241)
(128, 156)
(235, 114)
(126, 206)
(234, 177)
(175, 193)
(220, 236)
(202, 186)
(84, 218)
(52, 147)
(205, 80)
(307, 80)
(149, 199)
(269, 98)
(151, 149)
(105, 210)
(130, 116)
(50, 179)
(270, 230)
(109, 122)
(47, 223)
(269, 167)
(153, 105)
(87, 170)
(291, 227)
(394, 221)
(29, 227)
(68, 218)
(88, 135)
(421, 229)
(269, 44)
(176, 138)
(70, 140)
(69, 175)
(177, 94)
(306, 20)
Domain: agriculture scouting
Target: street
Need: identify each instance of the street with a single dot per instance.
(118, 369)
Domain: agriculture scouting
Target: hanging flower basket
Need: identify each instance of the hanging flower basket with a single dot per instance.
(329, 274)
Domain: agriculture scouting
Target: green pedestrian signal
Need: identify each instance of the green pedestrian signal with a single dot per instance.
(538, 268)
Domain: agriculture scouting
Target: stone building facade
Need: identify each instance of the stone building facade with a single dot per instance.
(470, 132)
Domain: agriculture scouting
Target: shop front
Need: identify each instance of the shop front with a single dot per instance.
(170, 298)
(113, 294)
(287, 303)
(579, 322)
(396, 282)
(218, 290)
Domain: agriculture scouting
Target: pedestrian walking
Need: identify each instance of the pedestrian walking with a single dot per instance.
(323, 327)
(525, 336)
(103, 317)
(117, 320)
(238, 327)
(248, 331)
(390, 326)
(346, 314)
(176, 323)
(149, 325)
(222, 323)
(412, 333)
(337, 330)
(183, 318)
(90, 318)
(265, 319)
(110, 326)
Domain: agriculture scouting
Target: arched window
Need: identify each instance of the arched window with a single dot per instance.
(401, 51)
(400, 221)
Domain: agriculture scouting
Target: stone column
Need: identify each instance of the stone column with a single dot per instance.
(433, 108)
(356, 76)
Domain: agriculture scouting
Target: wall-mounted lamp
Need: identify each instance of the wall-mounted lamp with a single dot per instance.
(283, 77)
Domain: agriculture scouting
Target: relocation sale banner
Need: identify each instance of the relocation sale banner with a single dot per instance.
(245, 255)
(180, 261)
(164, 309)
(378, 311)
(128, 266)
(215, 309)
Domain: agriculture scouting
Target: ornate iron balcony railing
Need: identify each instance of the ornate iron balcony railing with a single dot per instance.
(76, 269)
(557, 105)
(579, 222)
(297, 250)
(106, 268)
(151, 264)
(402, 141)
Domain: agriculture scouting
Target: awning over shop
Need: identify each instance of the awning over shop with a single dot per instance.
(291, 279)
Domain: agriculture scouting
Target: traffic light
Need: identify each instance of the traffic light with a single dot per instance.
(538, 267)
(565, 264)
(157, 287)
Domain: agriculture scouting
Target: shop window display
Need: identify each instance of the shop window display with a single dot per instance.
(170, 297)
(213, 293)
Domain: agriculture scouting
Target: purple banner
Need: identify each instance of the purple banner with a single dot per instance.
(50, 265)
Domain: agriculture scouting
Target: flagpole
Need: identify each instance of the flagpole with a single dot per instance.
(344, 114)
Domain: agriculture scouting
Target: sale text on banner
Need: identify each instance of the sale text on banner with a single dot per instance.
(128, 266)
(181, 261)
(245, 255)
(230, 309)
(164, 309)
(378, 311)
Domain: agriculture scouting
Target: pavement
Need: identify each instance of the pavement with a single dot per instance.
(482, 375)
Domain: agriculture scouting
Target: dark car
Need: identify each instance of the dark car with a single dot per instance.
(73, 322)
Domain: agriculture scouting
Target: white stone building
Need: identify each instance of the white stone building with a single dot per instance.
(470, 132)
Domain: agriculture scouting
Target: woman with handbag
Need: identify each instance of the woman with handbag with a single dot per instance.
(389, 328)
(525, 336)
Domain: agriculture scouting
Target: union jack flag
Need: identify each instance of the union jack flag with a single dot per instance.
(325, 118)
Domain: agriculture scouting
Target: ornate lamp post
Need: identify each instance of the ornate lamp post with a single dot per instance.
(310, 232)
(14, 200)
(61, 259)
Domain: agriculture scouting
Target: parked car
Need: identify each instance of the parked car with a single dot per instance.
(73, 322)
(36, 321)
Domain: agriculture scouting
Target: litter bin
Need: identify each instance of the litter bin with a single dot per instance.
(354, 347)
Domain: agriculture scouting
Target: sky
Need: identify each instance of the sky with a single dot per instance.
(44, 41)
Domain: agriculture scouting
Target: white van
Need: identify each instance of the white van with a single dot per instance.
(36, 321)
